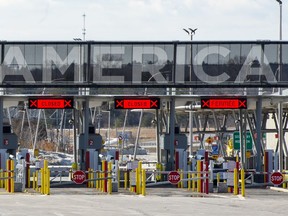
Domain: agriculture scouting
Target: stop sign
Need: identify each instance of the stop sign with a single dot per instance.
(276, 178)
(173, 177)
(79, 177)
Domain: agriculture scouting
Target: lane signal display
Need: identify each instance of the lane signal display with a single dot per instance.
(223, 103)
(137, 103)
(50, 103)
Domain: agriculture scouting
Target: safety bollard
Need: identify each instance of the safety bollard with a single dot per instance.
(235, 181)
(42, 181)
(193, 182)
(198, 176)
(110, 178)
(34, 181)
(179, 183)
(1, 178)
(181, 179)
(96, 181)
(189, 181)
(125, 180)
(143, 186)
(242, 182)
(12, 165)
(45, 174)
(138, 189)
(218, 177)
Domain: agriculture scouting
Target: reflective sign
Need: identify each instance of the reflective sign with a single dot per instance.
(51, 103)
(224, 103)
(137, 103)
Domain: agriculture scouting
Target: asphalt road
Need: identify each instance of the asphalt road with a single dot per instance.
(163, 201)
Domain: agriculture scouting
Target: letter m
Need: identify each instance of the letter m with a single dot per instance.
(52, 60)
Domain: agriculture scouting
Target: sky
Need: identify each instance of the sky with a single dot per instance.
(142, 20)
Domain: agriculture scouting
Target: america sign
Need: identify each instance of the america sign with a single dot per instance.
(136, 64)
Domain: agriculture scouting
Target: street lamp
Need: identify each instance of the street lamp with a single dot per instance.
(280, 105)
(191, 33)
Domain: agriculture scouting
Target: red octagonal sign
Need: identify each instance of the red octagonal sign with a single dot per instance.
(79, 177)
(276, 178)
(173, 177)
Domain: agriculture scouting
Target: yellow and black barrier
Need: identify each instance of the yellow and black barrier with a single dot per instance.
(41, 179)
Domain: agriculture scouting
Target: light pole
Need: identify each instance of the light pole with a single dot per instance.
(191, 33)
(280, 105)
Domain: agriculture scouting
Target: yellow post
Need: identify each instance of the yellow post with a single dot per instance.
(181, 178)
(193, 182)
(28, 178)
(33, 181)
(96, 181)
(125, 180)
(7, 175)
(143, 182)
(242, 182)
(179, 183)
(12, 176)
(235, 181)
(42, 181)
(1, 179)
(47, 181)
(139, 177)
(109, 177)
(198, 176)
(189, 181)
(218, 177)
(103, 175)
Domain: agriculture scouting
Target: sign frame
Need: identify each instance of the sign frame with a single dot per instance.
(223, 103)
(137, 103)
(51, 103)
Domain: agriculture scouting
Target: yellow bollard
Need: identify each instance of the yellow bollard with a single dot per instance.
(103, 176)
(235, 182)
(28, 178)
(218, 177)
(42, 181)
(110, 178)
(125, 180)
(7, 180)
(96, 181)
(12, 176)
(33, 180)
(189, 181)
(139, 177)
(45, 177)
(47, 192)
(137, 180)
(143, 186)
(193, 182)
(1, 179)
(198, 176)
(242, 182)
(181, 179)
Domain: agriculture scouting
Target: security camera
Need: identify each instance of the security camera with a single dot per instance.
(237, 121)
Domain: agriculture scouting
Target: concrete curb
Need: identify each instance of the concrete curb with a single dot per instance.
(279, 189)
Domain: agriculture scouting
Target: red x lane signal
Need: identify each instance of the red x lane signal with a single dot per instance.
(137, 103)
(50, 103)
(224, 103)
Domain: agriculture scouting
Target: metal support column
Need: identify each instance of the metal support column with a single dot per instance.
(158, 122)
(171, 160)
(85, 129)
(259, 161)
